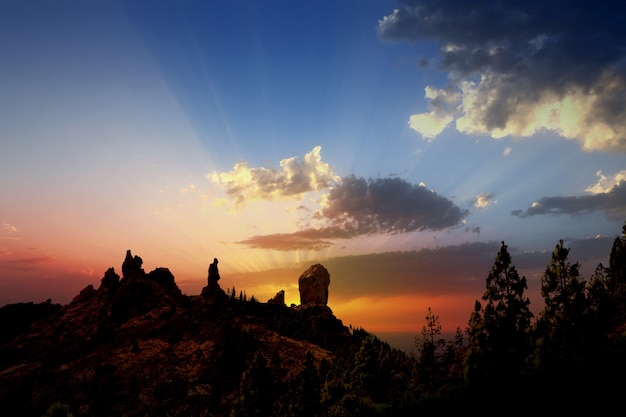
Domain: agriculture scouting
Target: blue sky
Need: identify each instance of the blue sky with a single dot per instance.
(276, 134)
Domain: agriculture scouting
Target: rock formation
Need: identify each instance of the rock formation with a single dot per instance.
(213, 288)
(279, 298)
(313, 284)
(132, 265)
(165, 278)
(85, 294)
(110, 281)
(137, 292)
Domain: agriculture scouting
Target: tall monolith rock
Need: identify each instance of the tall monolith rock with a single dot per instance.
(313, 284)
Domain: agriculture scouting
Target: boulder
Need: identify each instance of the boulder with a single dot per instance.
(313, 285)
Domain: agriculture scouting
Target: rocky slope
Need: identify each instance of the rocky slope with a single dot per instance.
(137, 346)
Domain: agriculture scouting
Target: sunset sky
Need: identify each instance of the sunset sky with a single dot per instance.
(396, 143)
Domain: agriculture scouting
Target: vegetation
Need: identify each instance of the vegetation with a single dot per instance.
(573, 355)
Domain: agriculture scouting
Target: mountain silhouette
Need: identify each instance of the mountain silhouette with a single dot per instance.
(137, 346)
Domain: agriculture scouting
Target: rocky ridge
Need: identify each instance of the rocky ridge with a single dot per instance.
(137, 346)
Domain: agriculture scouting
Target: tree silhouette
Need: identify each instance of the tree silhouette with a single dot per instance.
(429, 345)
(617, 268)
(498, 333)
(561, 324)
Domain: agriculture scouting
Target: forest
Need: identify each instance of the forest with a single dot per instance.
(572, 354)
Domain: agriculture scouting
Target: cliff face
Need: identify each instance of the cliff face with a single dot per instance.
(136, 346)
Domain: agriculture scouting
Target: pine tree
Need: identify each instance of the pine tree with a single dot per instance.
(600, 310)
(600, 307)
(429, 345)
(561, 324)
(605, 306)
(498, 333)
(617, 269)
(606, 290)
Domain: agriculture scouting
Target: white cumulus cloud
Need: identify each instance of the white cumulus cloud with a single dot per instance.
(293, 179)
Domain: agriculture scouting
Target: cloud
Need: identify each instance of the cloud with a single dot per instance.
(608, 195)
(291, 181)
(605, 184)
(357, 207)
(517, 68)
(352, 206)
(389, 205)
(442, 104)
(26, 263)
(449, 279)
(446, 270)
(9, 232)
(9, 228)
(310, 239)
(482, 200)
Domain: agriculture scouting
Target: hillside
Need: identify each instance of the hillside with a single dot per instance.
(137, 346)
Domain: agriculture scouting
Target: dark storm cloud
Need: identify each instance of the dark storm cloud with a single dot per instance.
(612, 203)
(556, 41)
(521, 55)
(390, 205)
(358, 207)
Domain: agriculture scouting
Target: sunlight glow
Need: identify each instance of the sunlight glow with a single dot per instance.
(403, 313)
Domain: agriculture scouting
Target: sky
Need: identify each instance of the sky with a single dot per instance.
(398, 143)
